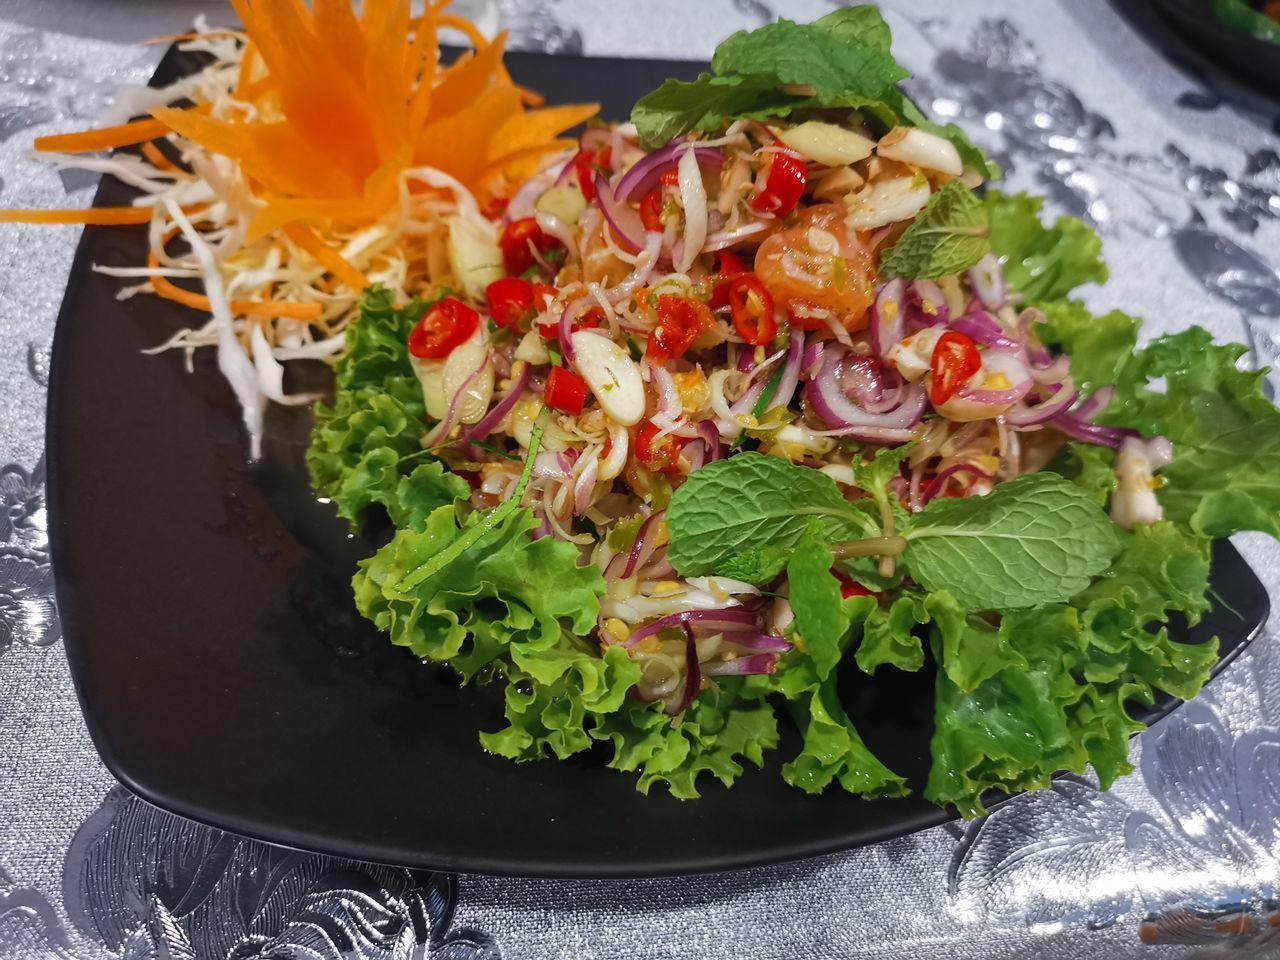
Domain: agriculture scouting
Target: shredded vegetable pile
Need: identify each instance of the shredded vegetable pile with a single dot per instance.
(317, 151)
(675, 426)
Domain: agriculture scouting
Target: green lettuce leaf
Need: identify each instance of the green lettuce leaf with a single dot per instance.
(889, 635)
(361, 444)
(722, 728)
(554, 706)
(1084, 664)
(507, 596)
(1043, 263)
(833, 750)
(1225, 475)
(1242, 16)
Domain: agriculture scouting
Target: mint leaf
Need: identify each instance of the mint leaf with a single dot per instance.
(861, 24)
(829, 56)
(841, 60)
(751, 501)
(1033, 540)
(1043, 263)
(678, 107)
(821, 617)
(757, 566)
(950, 234)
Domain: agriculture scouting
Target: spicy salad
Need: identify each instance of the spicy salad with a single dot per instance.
(665, 428)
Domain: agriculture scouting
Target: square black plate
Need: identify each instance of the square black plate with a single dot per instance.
(225, 676)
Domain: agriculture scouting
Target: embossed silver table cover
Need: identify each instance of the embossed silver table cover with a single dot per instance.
(1182, 858)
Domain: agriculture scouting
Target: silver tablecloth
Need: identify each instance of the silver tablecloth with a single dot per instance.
(1182, 858)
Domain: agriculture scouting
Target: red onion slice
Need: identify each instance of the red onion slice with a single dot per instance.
(727, 238)
(826, 396)
(1060, 401)
(928, 304)
(1014, 370)
(1095, 404)
(811, 362)
(644, 546)
(790, 378)
(1055, 371)
(692, 674)
(495, 416)
(522, 201)
(862, 381)
(758, 642)
(441, 429)
(987, 280)
(626, 224)
(1091, 432)
(711, 437)
(575, 308)
(645, 173)
(981, 327)
(640, 275)
(940, 481)
(888, 318)
(707, 622)
(742, 666)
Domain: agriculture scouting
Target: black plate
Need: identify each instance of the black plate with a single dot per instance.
(1238, 66)
(225, 676)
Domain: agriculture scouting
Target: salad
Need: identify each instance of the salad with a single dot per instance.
(663, 428)
(764, 381)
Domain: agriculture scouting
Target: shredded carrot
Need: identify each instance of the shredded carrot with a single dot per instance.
(106, 138)
(109, 138)
(247, 57)
(169, 38)
(250, 308)
(158, 159)
(91, 216)
(326, 256)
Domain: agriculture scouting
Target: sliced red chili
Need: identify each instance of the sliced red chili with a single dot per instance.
(752, 309)
(955, 361)
(495, 207)
(779, 184)
(680, 321)
(852, 588)
(520, 240)
(670, 177)
(442, 328)
(728, 266)
(651, 210)
(510, 303)
(584, 170)
(589, 319)
(803, 319)
(659, 453)
(565, 391)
